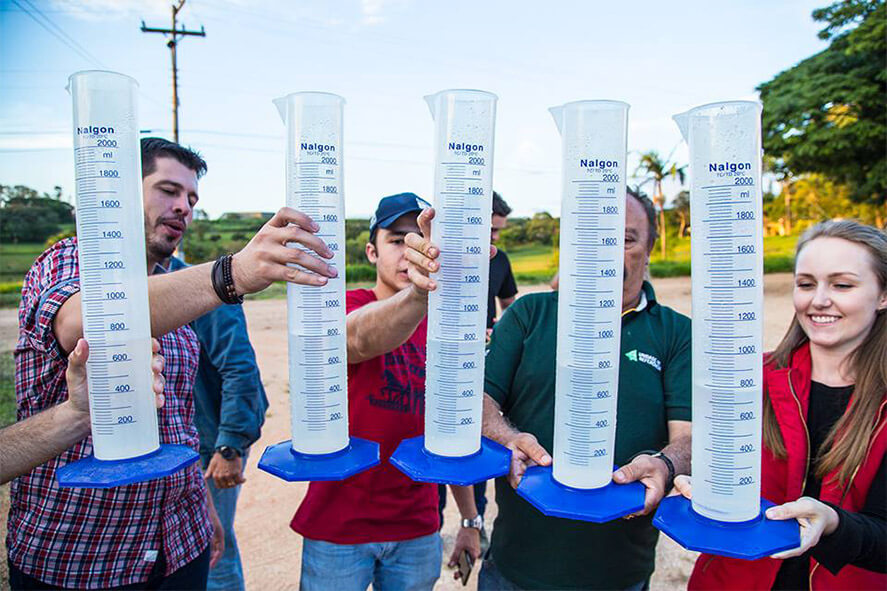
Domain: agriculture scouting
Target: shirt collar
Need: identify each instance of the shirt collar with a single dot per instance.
(642, 303)
(162, 267)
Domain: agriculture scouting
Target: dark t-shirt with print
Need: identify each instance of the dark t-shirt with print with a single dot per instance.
(539, 552)
(386, 404)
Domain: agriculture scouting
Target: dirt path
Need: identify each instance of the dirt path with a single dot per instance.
(266, 504)
(272, 552)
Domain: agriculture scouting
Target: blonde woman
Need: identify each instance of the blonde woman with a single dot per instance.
(825, 423)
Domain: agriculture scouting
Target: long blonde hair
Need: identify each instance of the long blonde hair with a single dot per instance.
(847, 443)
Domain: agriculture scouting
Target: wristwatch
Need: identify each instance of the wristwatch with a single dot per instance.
(227, 452)
(669, 481)
(476, 523)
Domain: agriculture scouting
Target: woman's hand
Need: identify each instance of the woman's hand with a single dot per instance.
(816, 519)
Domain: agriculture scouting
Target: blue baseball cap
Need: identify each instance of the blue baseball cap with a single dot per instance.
(392, 207)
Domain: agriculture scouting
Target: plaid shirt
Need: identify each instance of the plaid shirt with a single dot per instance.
(97, 538)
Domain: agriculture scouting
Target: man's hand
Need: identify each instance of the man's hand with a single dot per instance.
(683, 485)
(225, 473)
(266, 258)
(525, 452)
(422, 254)
(217, 543)
(78, 387)
(816, 518)
(652, 473)
(468, 539)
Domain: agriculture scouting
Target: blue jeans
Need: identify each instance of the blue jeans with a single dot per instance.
(410, 565)
(228, 573)
(490, 579)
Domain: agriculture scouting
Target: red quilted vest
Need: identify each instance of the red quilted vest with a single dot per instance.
(783, 480)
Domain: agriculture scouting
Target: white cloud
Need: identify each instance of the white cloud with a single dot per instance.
(43, 141)
(375, 11)
(99, 10)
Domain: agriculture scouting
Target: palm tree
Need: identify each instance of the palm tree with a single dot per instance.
(657, 169)
(776, 166)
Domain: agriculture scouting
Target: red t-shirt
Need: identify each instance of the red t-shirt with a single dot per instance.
(386, 404)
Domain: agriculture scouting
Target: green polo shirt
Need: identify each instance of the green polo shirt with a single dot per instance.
(538, 552)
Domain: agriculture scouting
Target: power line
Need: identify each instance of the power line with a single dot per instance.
(57, 32)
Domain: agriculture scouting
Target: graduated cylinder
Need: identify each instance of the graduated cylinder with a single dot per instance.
(592, 238)
(464, 122)
(727, 277)
(111, 255)
(316, 315)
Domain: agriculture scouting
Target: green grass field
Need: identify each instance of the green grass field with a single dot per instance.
(533, 263)
(15, 260)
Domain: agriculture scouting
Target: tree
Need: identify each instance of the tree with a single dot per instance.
(657, 169)
(784, 178)
(28, 216)
(681, 207)
(542, 229)
(826, 114)
(815, 198)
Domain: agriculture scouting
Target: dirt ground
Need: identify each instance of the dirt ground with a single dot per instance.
(272, 552)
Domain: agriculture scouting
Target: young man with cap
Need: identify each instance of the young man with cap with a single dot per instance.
(379, 526)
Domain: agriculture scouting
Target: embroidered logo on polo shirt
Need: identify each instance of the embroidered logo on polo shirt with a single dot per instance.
(650, 360)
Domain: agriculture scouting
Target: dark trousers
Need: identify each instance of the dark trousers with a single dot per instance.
(190, 576)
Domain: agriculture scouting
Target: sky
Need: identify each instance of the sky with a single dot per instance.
(383, 56)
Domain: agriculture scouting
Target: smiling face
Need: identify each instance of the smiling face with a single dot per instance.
(389, 255)
(836, 293)
(169, 193)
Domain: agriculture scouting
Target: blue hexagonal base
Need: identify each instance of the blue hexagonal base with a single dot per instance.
(94, 473)
(750, 540)
(292, 466)
(599, 505)
(411, 458)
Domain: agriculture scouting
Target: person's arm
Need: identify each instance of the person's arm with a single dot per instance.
(837, 537)
(224, 342)
(508, 291)
(653, 472)
(468, 538)
(217, 542)
(676, 385)
(859, 539)
(178, 298)
(525, 449)
(46, 435)
(864, 544)
(379, 327)
(382, 326)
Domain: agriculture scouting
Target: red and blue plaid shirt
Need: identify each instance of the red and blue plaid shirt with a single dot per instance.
(97, 538)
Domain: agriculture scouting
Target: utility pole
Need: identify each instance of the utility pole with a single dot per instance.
(175, 34)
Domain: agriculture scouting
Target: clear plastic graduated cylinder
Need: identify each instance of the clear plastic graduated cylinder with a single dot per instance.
(113, 274)
(463, 186)
(727, 276)
(592, 238)
(318, 373)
